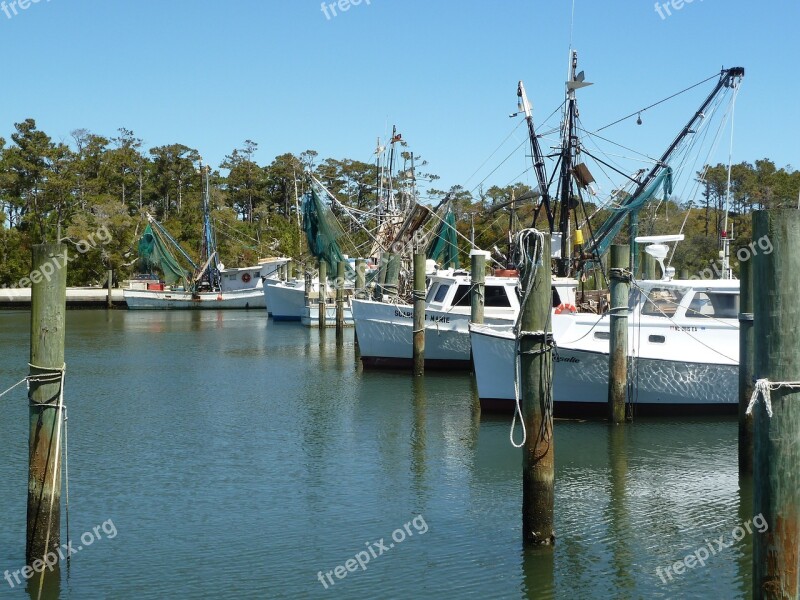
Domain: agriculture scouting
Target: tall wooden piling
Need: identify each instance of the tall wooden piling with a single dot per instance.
(536, 377)
(390, 288)
(381, 280)
(289, 269)
(48, 308)
(633, 232)
(307, 293)
(746, 366)
(477, 302)
(340, 274)
(323, 292)
(361, 278)
(110, 283)
(776, 467)
(618, 344)
(648, 266)
(418, 352)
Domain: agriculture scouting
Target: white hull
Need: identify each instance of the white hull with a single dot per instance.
(385, 334)
(285, 301)
(172, 300)
(310, 316)
(581, 377)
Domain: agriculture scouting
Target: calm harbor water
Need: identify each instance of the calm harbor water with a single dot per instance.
(238, 458)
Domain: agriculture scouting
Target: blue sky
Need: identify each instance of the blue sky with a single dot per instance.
(211, 74)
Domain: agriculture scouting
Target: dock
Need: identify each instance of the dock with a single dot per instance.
(77, 297)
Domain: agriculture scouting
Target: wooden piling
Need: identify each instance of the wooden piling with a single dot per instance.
(536, 377)
(478, 258)
(340, 274)
(323, 287)
(633, 232)
(361, 266)
(418, 352)
(618, 344)
(776, 466)
(684, 274)
(110, 280)
(307, 293)
(746, 367)
(289, 269)
(381, 280)
(48, 308)
(390, 288)
(648, 266)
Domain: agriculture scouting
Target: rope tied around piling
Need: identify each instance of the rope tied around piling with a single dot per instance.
(764, 388)
(48, 375)
(618, 274)
(545, 340)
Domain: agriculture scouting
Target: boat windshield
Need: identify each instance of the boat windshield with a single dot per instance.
(662, 301)
(717, 305)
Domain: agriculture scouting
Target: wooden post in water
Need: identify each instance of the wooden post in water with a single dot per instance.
(633, 229)
(109, 298)
(307, 294)
(340, 274)
(48, 307)
(392, 275)
(746, 366)
(536, 376)
(381, 276)
(477, 302)
(323, 292)
(618, 344)
(361, 279)
(419, 314)
(776, 467)
(648, 266)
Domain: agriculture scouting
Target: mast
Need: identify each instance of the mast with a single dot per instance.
(728, 78)
(209, 254)
(569, 150)
(536, 154)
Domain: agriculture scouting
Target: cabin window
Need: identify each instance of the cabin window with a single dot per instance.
(657, 339)
(662, 302)
(431, 292)
(441, 292)
(602, 335)
(713, 305)
(496, 297)
(463, 296)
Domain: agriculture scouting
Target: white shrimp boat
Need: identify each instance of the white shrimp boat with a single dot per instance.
(238, 288)
(384, 329)
(683, 340)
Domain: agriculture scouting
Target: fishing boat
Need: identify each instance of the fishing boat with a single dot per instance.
(209, 286)
(683, 335)
(683, 339)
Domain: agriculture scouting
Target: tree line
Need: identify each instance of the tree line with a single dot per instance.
(51, 190)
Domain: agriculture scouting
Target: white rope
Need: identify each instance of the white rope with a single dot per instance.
(13, 386)
(529, 258)
(763, 388)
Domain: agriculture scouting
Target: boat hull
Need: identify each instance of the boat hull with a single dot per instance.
(285, 302)
(171, 300)
(580, 381)
(385, 334)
